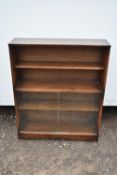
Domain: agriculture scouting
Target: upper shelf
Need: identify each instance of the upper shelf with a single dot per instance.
(61, 65)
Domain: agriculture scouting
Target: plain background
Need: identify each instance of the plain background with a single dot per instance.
(57, 19)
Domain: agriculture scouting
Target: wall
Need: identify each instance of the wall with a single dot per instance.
(64, 19)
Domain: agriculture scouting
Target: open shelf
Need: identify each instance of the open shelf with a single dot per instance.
(58, 101)
(30, 86)
(59, 65)
(45, 123)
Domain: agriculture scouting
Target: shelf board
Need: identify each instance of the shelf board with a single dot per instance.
(54, 106)
(30, 86)
(54, 65)
(90, 136)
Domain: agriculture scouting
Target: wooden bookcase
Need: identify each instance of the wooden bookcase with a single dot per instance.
(59, 86)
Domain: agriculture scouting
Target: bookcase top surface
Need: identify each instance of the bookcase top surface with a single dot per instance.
(55, 41)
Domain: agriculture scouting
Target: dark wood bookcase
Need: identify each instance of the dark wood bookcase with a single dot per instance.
(59, 86)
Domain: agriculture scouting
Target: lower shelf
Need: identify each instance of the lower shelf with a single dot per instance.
(59, 124)
(58, 135)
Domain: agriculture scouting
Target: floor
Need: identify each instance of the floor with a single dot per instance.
(58, 157)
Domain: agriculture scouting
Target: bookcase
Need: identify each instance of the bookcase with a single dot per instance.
(59, 86)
